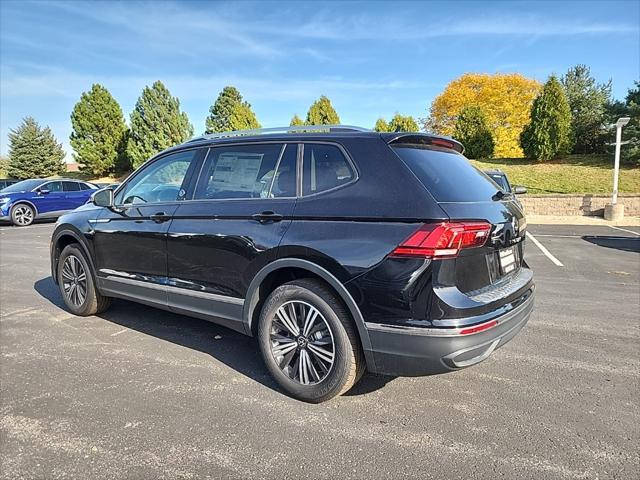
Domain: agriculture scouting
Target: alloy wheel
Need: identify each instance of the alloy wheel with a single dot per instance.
(302, 343)
(74, 280)
(23, 215)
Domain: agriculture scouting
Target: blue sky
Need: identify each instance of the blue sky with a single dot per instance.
(371, 59)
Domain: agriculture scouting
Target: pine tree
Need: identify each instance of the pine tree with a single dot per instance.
(322, 112)
(156, 124)
(587, 101)
(296, 121)
(548, 134)
(381, 125)
(230, 112)
(630, 107)
(99, 132)
(34, 151)
(473, 132)
(403, 123)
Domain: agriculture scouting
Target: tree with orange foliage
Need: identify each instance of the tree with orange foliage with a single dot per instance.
(505, 100)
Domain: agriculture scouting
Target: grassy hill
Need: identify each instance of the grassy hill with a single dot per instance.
(571, 174)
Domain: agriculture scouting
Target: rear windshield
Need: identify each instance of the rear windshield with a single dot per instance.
(446, 174)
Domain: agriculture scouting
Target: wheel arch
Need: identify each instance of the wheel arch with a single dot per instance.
(254, 298)
(61, 238)
(28, 202)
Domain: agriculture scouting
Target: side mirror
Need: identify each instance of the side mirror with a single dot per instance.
(43, 191)
(519, 189)
(103, 198)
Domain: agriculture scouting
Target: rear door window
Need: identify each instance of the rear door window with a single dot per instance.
(324, 167)
(447, 175)
(70, 186)
(243, 171)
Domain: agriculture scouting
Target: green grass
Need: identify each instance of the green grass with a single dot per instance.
(571, 174)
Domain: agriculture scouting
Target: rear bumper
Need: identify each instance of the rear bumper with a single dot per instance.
(413, 351)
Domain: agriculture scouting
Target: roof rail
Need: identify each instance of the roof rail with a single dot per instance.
(276, 130)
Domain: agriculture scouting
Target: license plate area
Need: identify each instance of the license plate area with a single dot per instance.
(507, 260)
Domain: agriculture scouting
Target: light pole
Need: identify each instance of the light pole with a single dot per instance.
(615, 211)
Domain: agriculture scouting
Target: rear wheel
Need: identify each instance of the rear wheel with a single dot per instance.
(77, 285)
(308, 341)
(22, 215)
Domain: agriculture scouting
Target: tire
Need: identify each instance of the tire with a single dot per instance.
(77, 285)
(22, 215)
(328, 347)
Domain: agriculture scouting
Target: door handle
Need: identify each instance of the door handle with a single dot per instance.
(267, 216)
(160, 217)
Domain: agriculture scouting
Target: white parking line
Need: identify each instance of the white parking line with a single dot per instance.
(625, 230)
(119, 332)
(544, 250)
(25, 229)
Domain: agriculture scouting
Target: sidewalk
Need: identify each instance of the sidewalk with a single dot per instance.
(580, 220)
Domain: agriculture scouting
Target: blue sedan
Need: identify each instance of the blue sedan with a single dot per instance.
(23, 202)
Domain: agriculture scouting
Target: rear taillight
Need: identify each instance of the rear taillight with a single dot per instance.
(442, 240)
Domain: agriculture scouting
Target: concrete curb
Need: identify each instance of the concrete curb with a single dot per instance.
(580, 220)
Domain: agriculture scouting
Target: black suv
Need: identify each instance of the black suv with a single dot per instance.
(341, 249)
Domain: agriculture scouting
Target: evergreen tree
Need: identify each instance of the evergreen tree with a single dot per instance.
(34, 152)
(403, 123)
(548, 134)
(99, 132)
(630, 152)
(322, 112)
(230, 112)
(473, 132)
(296, 121)
(156, 124)
(588, 101)
(381, 125)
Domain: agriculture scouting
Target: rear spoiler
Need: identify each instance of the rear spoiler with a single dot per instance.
(422, 139)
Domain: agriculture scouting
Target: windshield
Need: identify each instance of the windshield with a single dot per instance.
(23, 186)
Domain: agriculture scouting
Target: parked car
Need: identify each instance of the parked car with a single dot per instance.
(501, 179)
(341, 249)
(106, 185)
(25, 201)
(5, 182)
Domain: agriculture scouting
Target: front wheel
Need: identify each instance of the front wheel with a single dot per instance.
(22, 215)
(77, 285)
(308, 341)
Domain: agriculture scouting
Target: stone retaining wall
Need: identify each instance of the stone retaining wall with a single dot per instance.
(578, 204)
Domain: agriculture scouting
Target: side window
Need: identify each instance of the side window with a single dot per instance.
(324, 168)
(84, 186)
(242, 171)
(70, 186)
(160, 181)
(52, 186)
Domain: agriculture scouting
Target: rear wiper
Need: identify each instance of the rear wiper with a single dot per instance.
(501, 194)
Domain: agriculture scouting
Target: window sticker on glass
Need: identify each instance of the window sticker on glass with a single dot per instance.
(236, 171)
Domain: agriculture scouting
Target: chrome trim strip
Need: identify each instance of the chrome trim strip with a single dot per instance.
(205, 295)
(474, 360)
(177, 290)
(450, 332)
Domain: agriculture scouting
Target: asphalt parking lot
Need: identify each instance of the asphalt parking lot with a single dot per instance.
(141, 393)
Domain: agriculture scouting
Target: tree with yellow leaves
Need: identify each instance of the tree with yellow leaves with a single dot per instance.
(505, 100)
